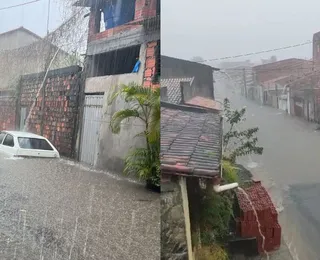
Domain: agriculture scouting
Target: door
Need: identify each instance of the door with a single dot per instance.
(23, 117)
(92, 116)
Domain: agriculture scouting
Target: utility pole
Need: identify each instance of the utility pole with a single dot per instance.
(245, 82)
(46, 67)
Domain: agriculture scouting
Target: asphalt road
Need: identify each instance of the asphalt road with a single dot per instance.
(289, 168)
(54, 209)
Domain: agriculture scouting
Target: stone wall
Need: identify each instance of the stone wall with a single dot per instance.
(7, 113)
(55, 111)
(173, 230)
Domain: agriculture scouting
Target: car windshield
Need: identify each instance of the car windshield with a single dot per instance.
(34, 143)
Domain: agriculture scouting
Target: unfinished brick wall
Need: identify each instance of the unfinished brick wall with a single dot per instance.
(57, 114)
(150, 66)
(247, 224)
(143, 9)
(7, 113)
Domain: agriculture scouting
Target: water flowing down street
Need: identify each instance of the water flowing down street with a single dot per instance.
(289, 168)
(56, 209)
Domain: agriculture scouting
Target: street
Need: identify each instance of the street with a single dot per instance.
(289, 168)
(57, 209)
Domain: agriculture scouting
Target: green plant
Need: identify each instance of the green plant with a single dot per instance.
(244, 141)
(216, 213)
(144, 105)
(229, 172)
(213, 252)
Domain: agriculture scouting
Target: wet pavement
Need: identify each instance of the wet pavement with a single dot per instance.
(290, 170)
(55, 209)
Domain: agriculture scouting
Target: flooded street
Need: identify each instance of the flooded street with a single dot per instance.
(54, 209)
(289, 168)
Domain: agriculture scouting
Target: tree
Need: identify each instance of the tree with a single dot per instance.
(144, 104)
(238, 142)
(197, 59)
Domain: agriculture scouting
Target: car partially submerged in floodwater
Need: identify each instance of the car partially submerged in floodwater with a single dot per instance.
(23, 144)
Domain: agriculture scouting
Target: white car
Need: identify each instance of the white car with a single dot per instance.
(22, 144)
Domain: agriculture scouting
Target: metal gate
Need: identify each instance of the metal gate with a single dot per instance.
(92, 116)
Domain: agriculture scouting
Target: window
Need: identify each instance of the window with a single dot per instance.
(2, 135)
(116, 13)
(116, 62)
(8, 141)
(34, 143)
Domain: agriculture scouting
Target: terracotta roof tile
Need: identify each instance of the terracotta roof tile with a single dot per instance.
(190, 141)
(204, 102)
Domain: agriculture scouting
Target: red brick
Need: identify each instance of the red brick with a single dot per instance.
(148, 73)
(147, 83)
(152, 44)
(150, 52)
(150, 63)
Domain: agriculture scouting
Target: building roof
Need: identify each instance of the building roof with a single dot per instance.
(190, 141)
(292, 62)
(311, 80)
(173, 88)
(205, 103)
(88, 3)
(21, 29)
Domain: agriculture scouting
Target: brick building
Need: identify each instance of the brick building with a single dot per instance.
(123, 47)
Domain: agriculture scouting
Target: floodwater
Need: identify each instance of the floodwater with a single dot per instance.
(55, 209)
(289, 168)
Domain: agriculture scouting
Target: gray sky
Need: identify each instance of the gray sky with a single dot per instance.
(32, 17)
(213, 29)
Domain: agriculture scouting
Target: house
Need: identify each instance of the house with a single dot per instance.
(191, 148)
(181, 69)
(266, 73)
(177, 90)
(304, 97)
(23, 52)
(123, 47)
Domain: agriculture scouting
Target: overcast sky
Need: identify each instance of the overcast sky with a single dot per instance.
(218, 28)
(32, 17)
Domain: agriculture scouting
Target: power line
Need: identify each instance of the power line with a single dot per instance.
(13, 6)
(259, 52)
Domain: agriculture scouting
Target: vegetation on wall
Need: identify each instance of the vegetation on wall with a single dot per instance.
(144, 106)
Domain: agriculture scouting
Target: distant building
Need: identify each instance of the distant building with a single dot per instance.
(202, 74)
(23, 52)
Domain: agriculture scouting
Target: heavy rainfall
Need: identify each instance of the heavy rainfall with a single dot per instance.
(62, 65)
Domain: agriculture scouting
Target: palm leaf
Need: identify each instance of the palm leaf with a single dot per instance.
(121, 115)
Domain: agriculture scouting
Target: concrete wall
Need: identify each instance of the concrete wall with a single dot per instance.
(174, 244)
(177, 68)
(113, 148)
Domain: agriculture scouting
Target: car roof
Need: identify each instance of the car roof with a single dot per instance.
(23, 134)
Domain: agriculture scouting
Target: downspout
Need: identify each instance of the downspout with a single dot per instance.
(217, 187)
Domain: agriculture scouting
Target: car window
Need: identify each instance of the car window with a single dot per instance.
(34, 143)
(8, 141)
(2, 135)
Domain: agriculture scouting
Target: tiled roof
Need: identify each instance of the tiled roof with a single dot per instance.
(204, 102)
(173, 88)
(190, 141)
(311, 80)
